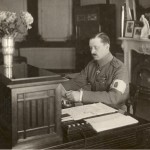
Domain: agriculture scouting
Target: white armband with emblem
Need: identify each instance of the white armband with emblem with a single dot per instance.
(119, 85)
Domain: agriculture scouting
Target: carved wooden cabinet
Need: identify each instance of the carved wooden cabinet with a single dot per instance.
(30, 108)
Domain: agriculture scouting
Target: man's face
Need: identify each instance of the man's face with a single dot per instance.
(98, 48)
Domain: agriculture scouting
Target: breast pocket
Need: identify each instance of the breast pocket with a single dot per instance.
(101, 83)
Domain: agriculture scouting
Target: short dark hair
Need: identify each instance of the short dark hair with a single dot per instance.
(103, 36)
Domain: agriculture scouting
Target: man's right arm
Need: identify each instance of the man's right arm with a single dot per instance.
(78, 82)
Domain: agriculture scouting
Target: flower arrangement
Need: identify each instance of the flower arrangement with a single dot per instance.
(12, 23)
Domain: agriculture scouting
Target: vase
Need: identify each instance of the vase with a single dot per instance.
(8, 51)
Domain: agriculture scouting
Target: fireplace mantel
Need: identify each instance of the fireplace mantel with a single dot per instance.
(139, 45)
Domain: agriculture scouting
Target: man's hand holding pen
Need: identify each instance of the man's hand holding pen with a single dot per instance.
(75, 96)
(70, 97)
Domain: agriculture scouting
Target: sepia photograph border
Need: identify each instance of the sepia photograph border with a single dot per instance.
(137, 32)
(129, 28)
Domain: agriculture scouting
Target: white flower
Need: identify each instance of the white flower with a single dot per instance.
(27, 19)
(11, 23)
(3, 15)
(11, 17)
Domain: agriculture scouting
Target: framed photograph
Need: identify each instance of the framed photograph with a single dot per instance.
(129, 28)
(137, 32)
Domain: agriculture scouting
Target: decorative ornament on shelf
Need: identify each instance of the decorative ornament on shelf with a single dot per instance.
(12, 24)
(145, 31)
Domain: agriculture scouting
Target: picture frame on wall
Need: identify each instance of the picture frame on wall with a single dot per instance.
(129, 29)
(137, 32)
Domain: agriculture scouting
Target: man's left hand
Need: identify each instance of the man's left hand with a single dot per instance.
(73, 96)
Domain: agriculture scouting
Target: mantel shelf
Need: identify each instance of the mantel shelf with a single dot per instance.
(134, 39)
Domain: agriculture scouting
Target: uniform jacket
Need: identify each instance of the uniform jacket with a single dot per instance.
(101, 75)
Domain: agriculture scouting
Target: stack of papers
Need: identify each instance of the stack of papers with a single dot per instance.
(110, 121)
(85, 111)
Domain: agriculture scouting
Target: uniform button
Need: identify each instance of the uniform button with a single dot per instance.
(98, 72)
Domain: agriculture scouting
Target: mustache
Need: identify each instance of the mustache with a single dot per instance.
(94, 55)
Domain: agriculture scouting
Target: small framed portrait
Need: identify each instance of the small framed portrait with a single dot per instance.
(137, 32)
(129, 28)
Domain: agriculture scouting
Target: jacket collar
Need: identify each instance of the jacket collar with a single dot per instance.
(105, 60)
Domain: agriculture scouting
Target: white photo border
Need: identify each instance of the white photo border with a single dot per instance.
(129, 28)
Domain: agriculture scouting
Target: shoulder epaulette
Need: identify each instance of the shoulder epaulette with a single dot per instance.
(115, 62)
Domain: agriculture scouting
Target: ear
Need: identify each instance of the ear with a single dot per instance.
(107, 46)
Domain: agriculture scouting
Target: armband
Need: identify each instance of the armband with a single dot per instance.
(119, 85)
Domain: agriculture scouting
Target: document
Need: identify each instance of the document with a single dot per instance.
(110, 121)
(90, 110)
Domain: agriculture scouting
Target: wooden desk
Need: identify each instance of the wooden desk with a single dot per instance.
(29, 120)
(133, 136)
(30, 107)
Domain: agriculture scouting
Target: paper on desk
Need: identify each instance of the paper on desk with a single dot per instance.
(110, 121)
(63, 119)
(90, 110)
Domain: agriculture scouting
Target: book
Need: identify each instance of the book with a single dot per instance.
(110, 121)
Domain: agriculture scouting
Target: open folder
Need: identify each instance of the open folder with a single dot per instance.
(86, 111)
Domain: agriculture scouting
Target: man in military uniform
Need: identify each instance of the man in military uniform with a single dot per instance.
(106, 74)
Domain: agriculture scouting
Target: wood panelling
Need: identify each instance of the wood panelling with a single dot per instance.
(31, 113)
(37, 112)
(50, 27)
(54, 58)
(5, 109)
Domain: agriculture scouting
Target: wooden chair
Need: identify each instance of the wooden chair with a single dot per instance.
(130, 103)
(142, 102)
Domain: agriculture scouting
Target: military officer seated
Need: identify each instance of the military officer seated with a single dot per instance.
(106, 74)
